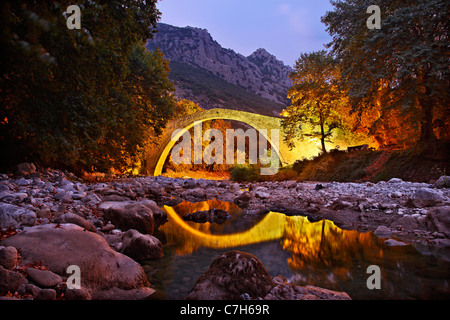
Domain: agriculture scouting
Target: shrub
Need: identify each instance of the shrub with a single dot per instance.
(245, 172)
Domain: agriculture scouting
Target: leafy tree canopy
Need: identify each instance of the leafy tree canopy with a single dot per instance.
(80, 99)
(400, 71)
(316, 101)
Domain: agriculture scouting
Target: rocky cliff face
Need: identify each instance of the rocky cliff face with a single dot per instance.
(259, 73)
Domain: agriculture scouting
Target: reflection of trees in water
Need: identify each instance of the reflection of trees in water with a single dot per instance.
(321, 253)
(324, 253)
(323, 242)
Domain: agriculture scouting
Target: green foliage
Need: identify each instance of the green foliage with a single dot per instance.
(80, 99)
(315, 110)
(245, 172)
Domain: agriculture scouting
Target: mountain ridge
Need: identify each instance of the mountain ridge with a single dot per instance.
(260, 73)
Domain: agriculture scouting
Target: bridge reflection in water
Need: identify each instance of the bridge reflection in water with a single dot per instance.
(316, 253)
(309, 242)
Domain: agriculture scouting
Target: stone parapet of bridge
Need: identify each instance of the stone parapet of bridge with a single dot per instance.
(156, 159)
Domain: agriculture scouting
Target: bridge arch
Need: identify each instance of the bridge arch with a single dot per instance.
(155, 162)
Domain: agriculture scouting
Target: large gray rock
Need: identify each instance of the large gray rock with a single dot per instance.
(43, 278)
(132, 216)
(144, 216)
(45, 294)
(438, 219)
(426, 197)
(141, 246)
(407, 223)
(286, 291)
(76, 219)
(105, 273)
(442, 182)
(10, 281)
(243, 199)
(9, 257)
(15, 216)
(229, 276)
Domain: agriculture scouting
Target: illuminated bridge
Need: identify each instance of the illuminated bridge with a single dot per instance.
(156, 160)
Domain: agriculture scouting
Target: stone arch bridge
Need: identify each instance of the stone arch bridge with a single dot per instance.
(156, 160)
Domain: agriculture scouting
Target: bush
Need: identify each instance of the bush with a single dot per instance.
(245, 172)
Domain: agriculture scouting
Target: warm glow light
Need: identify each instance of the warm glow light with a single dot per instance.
(259, 233)
(308, 242)
(284, 113)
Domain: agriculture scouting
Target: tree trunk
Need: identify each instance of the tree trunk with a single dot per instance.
(426, 124)
(322, 134)
(427, 136)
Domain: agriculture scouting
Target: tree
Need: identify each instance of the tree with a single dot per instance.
(400, 70)
(315, 99)
(70, 98)
(151, 103)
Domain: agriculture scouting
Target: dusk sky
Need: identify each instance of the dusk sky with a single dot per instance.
(285, 28)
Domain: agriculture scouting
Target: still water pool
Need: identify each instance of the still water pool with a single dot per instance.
(316, 253)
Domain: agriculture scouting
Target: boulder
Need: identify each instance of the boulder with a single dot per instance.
(132, 216)
(9, 257)
(442, 182)
(407, 223)
(194, 195)
(23, 182)
(43, 278)
(243, 199)
(144, 216)
(262, 193)
(340, 204)
(10, 281)
(438, 219)
(286, 291)
(77, 294)
(141, 246)
(76, 219)
(426, 197)
(326, 294)
(45, 294)
(25, 169)
(230, 275)
(383, 232)
(15, 216)
(91, 198)
(105, 273)
(395, 243)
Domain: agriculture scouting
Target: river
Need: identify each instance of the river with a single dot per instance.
(315, 253)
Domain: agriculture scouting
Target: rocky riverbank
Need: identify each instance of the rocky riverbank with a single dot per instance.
(51, 220)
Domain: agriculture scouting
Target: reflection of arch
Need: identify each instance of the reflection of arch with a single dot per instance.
(263, 231)
(310, 243)
(156, 161)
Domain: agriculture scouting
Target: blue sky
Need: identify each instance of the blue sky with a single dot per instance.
(285, 28)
